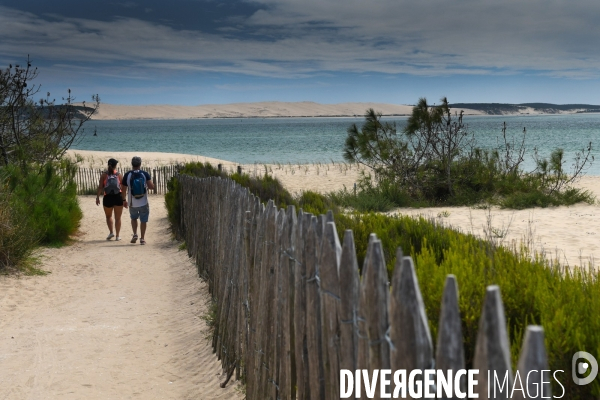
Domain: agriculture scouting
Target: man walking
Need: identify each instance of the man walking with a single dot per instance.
(136, 184)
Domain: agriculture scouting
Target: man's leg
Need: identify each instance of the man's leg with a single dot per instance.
(134, 225)
(133, 214)
(144, 214)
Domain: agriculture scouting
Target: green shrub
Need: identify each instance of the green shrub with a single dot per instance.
(16, 237)
(47, 196)
(198, 169)
(201, 170)
(315, 203)
(266, 188)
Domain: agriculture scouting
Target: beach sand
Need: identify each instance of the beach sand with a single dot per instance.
(112, 320)
(569, 234)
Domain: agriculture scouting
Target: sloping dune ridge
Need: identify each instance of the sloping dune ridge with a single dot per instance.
(272, 109)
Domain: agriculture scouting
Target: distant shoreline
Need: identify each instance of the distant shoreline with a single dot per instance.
(264, 110)
(340, 116)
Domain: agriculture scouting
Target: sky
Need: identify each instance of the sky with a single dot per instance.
(190, 52)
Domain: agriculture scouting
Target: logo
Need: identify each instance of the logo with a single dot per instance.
(581, 368)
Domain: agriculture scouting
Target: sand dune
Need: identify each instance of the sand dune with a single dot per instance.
(250, 110)
(275, 109)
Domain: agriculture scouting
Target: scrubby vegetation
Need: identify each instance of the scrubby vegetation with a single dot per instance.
(265, 187)
(38, 197)
(48, 198)
(534, 291)
(16, 239)
(435, 160)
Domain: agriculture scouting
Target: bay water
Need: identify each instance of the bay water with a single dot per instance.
(309, 140)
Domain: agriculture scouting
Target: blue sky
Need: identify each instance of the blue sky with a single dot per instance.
(393, 51)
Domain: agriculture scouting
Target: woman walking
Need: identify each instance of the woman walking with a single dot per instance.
(110, 185)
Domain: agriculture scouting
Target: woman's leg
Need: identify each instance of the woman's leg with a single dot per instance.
(109, 219)
(118, 212)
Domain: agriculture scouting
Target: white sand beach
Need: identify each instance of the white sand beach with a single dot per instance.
(569, 234)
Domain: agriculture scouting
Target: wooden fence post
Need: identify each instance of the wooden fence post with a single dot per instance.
(376, 289)
(313, 313)
(413, 348)
(300, 345)
(363, 335)
(532, 361)
(450, 353)
(286, 296)
(349, 287)
(329, 264)
(492, 350)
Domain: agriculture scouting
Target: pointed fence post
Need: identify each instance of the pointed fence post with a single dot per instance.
(313, 312)
(376, 289)
(349, 287)
(363, 336)
(450, 354)
(492, 351)
(287, 266)
(532, 361)
(329, 263)
(299, 320)
(413, 348)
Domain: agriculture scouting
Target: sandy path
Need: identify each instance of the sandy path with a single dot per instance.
(112, 321)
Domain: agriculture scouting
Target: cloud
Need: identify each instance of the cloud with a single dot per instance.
(291, 39)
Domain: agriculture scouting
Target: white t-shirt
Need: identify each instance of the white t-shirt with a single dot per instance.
(133, 202)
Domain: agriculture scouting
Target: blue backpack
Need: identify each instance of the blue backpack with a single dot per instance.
(137, 184)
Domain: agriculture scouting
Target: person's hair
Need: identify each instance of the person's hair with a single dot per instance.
(136, 162)
(112, 165)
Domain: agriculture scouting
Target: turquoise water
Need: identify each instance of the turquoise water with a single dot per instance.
(307, 140)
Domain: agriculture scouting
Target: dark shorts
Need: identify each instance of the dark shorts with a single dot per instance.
(112, 200)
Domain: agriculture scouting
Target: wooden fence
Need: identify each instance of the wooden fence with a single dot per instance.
(292, 310)
(87, 179)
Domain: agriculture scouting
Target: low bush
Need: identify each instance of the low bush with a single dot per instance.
(38, 205)
(16, 238)
(315, 203)
(198, 169)
(476, 182)
(266, 188)
(47, 197)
